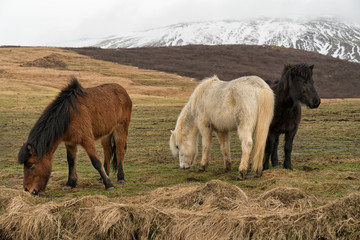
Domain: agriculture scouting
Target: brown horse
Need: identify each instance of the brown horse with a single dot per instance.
(78, 116)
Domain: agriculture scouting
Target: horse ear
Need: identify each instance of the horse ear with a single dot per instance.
(31, 149)
(312, 67)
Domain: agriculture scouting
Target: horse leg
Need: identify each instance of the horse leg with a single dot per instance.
(245, 135)
(71, 151)
(108, 152)
(206, 134)
(224, 140)
(274, 153)
(89, 146)
(120, 136)
(289, 137)
(268, 150)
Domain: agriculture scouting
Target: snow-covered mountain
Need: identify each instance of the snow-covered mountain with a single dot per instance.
(325, 35)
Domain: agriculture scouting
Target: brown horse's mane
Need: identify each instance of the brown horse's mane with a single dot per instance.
(53, 122)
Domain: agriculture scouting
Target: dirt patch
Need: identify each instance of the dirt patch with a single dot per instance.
(174, 213)
(53, 60)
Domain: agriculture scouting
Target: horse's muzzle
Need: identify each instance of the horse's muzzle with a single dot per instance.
(34, 192)
(185, 167)
(315, 103)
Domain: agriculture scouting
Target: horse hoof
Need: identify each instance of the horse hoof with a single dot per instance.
(241, 176)
(201, 169)
(274, 164)
(288, 167)
(121, 181)
(66, 188)
(110, 188)
(266, 167)
(258, 174)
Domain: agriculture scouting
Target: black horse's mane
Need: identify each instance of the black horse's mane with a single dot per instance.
(53, 122)
(302, 70)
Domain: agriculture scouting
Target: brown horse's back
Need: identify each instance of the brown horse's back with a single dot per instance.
(99, 112)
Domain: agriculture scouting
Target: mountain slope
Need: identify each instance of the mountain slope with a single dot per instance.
(334, 78)
(326, 36)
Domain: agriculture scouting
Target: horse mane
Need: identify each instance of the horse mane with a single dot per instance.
(301, 69)
(200, 89)
(53, 122)
(290, 71)
(186, 112)
(191, 104)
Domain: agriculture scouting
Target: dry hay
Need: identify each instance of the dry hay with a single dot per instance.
(213, 195)
(51, 61)
(286, 197)
(176, 213)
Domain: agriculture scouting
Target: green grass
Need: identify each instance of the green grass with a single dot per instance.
(327, 143)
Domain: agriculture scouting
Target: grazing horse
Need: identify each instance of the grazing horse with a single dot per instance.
(295, 86)
(245, 104)
(78, 116)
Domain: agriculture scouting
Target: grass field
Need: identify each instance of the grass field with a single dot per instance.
(326, 152)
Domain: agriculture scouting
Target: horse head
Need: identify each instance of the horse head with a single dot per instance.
(184, 146)
(37, 169)
(300, 84)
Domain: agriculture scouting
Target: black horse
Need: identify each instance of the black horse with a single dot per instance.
(295, 86)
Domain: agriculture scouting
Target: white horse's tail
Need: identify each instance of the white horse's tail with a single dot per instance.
(264, 118)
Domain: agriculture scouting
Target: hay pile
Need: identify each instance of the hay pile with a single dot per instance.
(51, 61)
(215, 210)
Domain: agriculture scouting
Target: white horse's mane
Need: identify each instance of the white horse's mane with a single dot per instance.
(200, 89)
(186, 113)
(191, 104)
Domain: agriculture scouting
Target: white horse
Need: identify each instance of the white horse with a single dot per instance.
(245, 104)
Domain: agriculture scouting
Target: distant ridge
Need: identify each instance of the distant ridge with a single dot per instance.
(334, 78)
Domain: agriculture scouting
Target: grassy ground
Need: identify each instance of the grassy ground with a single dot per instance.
(325, 155)
(159, 200)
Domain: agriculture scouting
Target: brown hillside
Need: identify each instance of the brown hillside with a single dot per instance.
(334, 78)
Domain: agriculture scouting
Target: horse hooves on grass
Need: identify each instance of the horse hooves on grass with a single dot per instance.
(66, 188)
(242, 175)
(201, 170)
(258, 174)
(110, 188)
(275, 164)
(239, 179)
(121, 181)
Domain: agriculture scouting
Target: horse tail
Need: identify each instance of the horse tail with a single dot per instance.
(264, 118)
(114, 160)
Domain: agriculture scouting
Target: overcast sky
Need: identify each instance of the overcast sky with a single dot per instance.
(40, 22)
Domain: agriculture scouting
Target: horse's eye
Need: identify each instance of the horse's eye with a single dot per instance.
(177, 147)
(30, 166)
